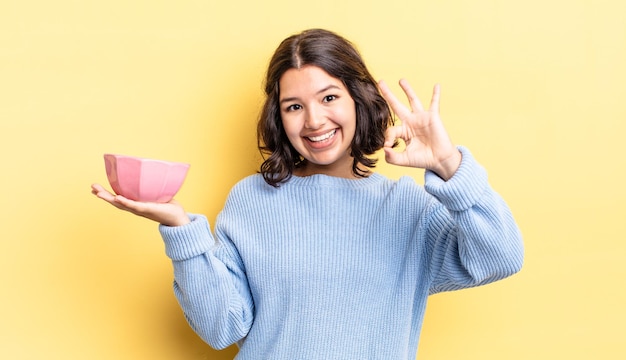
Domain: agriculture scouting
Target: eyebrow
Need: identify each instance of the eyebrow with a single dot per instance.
(329, 87)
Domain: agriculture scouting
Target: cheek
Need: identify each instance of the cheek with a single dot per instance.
(348, 119)
(348, 111)
(291, 130)
(288, 126)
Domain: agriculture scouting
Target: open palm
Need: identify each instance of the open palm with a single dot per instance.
(170, 213)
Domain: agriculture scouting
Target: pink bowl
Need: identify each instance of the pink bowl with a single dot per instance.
(146, 180)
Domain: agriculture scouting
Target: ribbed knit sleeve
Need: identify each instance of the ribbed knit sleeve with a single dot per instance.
(472, 236)
(209, 282)
(188, 241)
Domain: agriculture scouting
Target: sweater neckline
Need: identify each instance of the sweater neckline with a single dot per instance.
(327, 180)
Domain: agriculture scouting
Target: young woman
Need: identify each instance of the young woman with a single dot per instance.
(317, 256)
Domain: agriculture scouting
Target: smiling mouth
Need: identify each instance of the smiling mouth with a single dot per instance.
(323, 137)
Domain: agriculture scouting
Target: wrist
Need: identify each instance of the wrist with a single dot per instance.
(449, 165)
(179, 220)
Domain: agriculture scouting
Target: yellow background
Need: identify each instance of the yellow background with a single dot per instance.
(535, 88)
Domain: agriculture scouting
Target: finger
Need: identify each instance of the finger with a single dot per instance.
(139, 208)
(393, 101)
(102, 193)
(126, 202)
(392, 134)
(118, 201)
(394, 157)
(96, 188)
(434, 102)
(414, 101)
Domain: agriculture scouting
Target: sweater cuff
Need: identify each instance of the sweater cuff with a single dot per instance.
(464, 188)
(187, 241)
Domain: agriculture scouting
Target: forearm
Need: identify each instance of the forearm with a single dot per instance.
(473, 237)
(210, 287)
(214, 305)
(490, 243)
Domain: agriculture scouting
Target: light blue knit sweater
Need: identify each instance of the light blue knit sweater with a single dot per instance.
(332, 268)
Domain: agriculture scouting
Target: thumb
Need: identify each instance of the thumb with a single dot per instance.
(393, 157)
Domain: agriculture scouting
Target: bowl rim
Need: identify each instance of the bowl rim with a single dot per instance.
(145, 159)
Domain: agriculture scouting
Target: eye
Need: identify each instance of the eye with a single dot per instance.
(329, 98)
(293, 107)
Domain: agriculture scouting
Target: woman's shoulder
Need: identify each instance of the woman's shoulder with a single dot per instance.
(250, 180)
(253, 182)
(252, 187)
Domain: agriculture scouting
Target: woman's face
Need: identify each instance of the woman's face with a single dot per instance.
(319, 118)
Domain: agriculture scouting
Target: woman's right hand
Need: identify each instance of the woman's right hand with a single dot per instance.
(169, 214)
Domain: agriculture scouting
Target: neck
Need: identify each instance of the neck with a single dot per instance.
(344, 171)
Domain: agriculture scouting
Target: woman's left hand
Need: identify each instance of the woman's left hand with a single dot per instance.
(428, 145)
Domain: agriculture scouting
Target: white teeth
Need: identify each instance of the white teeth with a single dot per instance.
(328, 135)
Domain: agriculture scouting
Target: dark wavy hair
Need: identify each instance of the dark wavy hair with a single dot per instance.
(340, 59)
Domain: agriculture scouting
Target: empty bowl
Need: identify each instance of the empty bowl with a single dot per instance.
(146, 180)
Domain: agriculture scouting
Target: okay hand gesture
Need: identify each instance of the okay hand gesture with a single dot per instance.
(428, 145)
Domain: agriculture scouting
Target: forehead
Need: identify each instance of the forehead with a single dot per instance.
(307, 80)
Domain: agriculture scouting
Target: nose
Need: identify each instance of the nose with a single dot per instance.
(315, 118)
